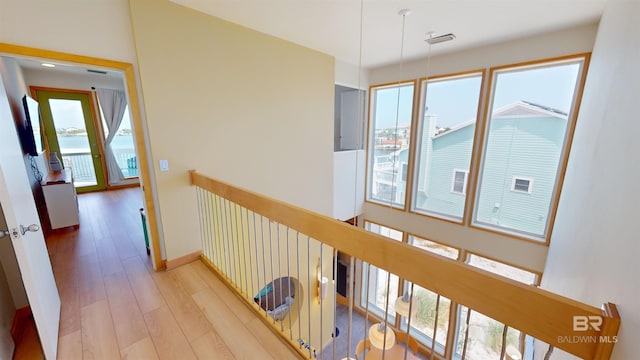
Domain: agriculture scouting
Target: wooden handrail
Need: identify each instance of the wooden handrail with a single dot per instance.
(546, 316)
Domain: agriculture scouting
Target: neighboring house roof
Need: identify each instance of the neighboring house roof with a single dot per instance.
(520, 109)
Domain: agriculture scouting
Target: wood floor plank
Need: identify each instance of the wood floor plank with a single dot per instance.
(236, 335)
(143, 286)
(129, 324)
(244, 314)
(143, 349)
(70, 346)
(192, 321)
(189, 279)
(167, 336)
(114, 305)
(98, 334)
(211, 346)
(67, 283)
(267, 338)
(90, 284)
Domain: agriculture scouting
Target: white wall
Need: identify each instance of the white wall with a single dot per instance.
(595, 246)
(525, 254)
(63, 80)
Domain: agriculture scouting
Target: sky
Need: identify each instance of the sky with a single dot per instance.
(68, 114)
(455, 102)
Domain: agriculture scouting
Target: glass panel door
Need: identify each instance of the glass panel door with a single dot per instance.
(70, 130)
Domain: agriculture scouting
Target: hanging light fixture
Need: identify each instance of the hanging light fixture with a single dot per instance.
(406, 304)
(382, 336)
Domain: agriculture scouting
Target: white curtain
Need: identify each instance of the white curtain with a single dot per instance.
(113, 104)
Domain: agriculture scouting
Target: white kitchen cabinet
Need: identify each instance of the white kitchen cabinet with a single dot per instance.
(61, 199)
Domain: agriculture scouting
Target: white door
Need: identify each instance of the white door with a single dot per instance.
(19, 209)
(351, 120)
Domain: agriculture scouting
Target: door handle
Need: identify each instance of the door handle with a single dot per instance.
(32, 228)
(4, 233)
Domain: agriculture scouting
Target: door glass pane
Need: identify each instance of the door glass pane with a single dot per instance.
(72, 137)
(122, 145)
(445, 143)
(525, 138)
(391, 112)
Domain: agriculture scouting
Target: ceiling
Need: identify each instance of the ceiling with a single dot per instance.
(333, 26)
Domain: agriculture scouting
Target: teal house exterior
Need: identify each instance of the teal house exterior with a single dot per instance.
(523, 148)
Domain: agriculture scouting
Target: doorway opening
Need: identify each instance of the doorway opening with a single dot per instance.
(101, 73)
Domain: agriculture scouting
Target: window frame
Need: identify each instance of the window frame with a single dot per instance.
(371, 128)
(487, 90)
(465, 181)
(514, 180)
(420, 101)
(583, 60)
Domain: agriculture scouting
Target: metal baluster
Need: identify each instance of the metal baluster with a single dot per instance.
(219, 237)
(244, 255)
(351, 300)
(320, 297)
(406, 348)
(248, 240)
(217, 217)
(435, 325)
(547, 356)
(289, 280)
(279, 269)
(335, 295)
(255, 247)
(227, 243)
(264, 261)
(386, 315)
(504, 341)
(299, 286)
(234, 243)
(466, 335)
(272, 298)
(309, 291)
(237, 246)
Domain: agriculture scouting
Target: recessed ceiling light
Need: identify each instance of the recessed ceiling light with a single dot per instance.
(48, 65)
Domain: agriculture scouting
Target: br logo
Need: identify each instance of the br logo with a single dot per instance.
(584, 323)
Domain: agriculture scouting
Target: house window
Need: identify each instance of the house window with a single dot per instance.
(459, 183)
(521, 184)
(391, 110)
(529, 122)
(525, 121)
(444, 144)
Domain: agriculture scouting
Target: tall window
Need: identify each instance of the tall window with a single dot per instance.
(525, 139)
(446, 136)
(378, 284)
(389, 140)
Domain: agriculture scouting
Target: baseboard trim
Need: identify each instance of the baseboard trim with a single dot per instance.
(174, 263)
(20, 320)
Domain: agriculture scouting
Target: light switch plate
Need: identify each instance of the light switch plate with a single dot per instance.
(164, 165)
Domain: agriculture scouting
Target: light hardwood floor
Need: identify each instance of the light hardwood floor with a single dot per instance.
(115, 306)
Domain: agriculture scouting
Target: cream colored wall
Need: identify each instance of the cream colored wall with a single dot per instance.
(525, 254)
(594, 249)
(99, 28)
(236, 105)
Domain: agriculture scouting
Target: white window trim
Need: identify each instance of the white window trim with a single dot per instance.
(513, 184)
(453, 181)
